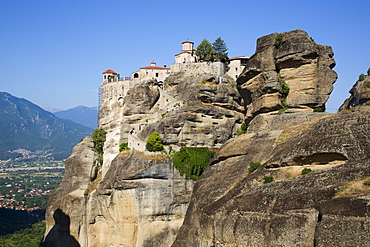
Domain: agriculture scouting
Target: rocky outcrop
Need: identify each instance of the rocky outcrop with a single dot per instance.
(65, 212)
(231, 208)
(207, 105)
(288, 70)
(138, 198)
(360, 95)
(141, 201)
(275, 205)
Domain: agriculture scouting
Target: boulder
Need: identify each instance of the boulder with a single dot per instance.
(288, 70)
(360, 95)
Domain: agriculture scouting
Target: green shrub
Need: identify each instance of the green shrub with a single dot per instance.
(368, 71)
(123, 146)
(284, 87)
(367, 84)
(154, 142)
(278, 40)
(192, 161)
(99, 137)
(280, 111)
(253, 166)
(268, 179)
(306, 171)
(367, 183)
(243, 129)
(318, 109)
(86, 192)
(361, 77)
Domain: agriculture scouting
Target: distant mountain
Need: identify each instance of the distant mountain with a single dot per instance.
(24, 125)
(87, 116)
(52, 110)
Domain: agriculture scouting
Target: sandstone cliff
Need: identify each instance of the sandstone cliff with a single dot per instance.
(137, 198)
(360, 95)
(276, 205)
(288, 70)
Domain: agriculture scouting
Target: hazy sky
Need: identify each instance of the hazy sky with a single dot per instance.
(53, 52)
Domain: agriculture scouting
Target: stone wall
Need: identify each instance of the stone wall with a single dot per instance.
(197, 69)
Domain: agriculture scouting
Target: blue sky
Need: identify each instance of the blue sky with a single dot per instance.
(53, 52)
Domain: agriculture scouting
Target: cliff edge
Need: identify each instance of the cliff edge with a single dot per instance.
(298, 177)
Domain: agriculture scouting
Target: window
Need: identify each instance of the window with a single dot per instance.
(156, 74)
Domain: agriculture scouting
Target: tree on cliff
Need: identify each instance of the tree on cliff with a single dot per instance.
(220, 49)
(154, 142)
(192, 161)
(99, 137)
(204, 50)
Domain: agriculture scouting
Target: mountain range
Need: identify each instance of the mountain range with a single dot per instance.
(24, 125)
(87, 116)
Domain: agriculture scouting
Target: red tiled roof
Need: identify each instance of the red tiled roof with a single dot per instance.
(154, 67)
(109, 71)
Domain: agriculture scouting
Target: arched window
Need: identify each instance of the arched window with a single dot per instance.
(136, 75)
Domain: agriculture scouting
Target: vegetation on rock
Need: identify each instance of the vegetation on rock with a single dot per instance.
(253, 166)
(123, 146)
(278, 40)
(154, 142)
(268, 179)
(192, 161)
(306, 171)
(243, 129)
(284, 86)
(361, 77)
(99, 137)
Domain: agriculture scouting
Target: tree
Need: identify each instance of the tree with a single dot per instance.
(154, 142)
(220, 49)
(368, 71)
(99, 137)
(192, 161)
(361, 77)
(123, 146)
(204, 50)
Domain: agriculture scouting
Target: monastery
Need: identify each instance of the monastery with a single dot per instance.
(115, 87)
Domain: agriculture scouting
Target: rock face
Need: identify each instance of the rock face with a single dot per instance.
(232, 205)
(287, 70)
(141, 201)
(207, 105)
(231, 208)
(64, 216)
(138, 198)
(360, 95)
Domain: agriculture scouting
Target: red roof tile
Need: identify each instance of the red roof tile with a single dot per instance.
(109, 71)
(154, 67)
